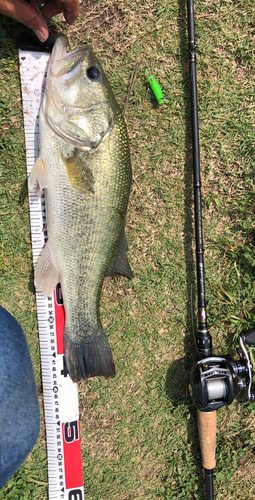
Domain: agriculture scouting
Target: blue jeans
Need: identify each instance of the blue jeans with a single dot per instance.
(19, 407)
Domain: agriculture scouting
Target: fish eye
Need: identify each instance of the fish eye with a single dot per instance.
(93, 73)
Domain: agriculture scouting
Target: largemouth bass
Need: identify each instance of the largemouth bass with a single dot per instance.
(84, 168)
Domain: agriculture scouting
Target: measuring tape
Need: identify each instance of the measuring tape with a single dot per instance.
(61, 407)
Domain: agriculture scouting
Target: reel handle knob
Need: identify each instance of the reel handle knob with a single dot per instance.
(252, 396)
(249, 337)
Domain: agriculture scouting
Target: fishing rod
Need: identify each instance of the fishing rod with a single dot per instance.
(215, 380)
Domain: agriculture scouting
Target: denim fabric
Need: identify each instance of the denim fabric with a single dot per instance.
(19, 407)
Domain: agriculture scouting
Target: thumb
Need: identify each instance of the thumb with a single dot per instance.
(26, 14)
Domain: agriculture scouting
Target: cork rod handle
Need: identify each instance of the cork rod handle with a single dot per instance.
(207, 424)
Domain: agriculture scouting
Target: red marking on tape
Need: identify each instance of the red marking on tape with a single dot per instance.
(60, 323)
(72, 454)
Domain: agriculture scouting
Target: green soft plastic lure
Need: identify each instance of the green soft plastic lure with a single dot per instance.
(156, 89)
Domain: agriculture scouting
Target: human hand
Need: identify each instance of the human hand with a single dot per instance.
(28, 14)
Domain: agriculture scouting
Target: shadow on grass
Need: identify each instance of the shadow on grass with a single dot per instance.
(177, 379)
(23, 193)
(177, 389)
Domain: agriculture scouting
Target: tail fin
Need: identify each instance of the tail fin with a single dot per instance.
(88, 358)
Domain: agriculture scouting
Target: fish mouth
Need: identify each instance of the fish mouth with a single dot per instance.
(60, 49)
(65, 64)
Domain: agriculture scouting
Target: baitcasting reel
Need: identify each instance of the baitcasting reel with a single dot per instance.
(215, 381)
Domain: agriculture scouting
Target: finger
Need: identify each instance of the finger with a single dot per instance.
(26, 14)
(51, 9)
(36, 3)
(71, 10)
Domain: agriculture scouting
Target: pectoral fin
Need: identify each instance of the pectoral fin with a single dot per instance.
(121, 264)
(38, 174)
(46, 276)
(79, 174)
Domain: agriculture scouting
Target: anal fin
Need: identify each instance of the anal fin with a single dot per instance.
(120, 264)
(46, 276)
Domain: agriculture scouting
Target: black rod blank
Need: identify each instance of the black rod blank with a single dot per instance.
(203, 338)
(209, 484)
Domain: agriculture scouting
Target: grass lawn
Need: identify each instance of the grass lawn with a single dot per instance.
(139, 430)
